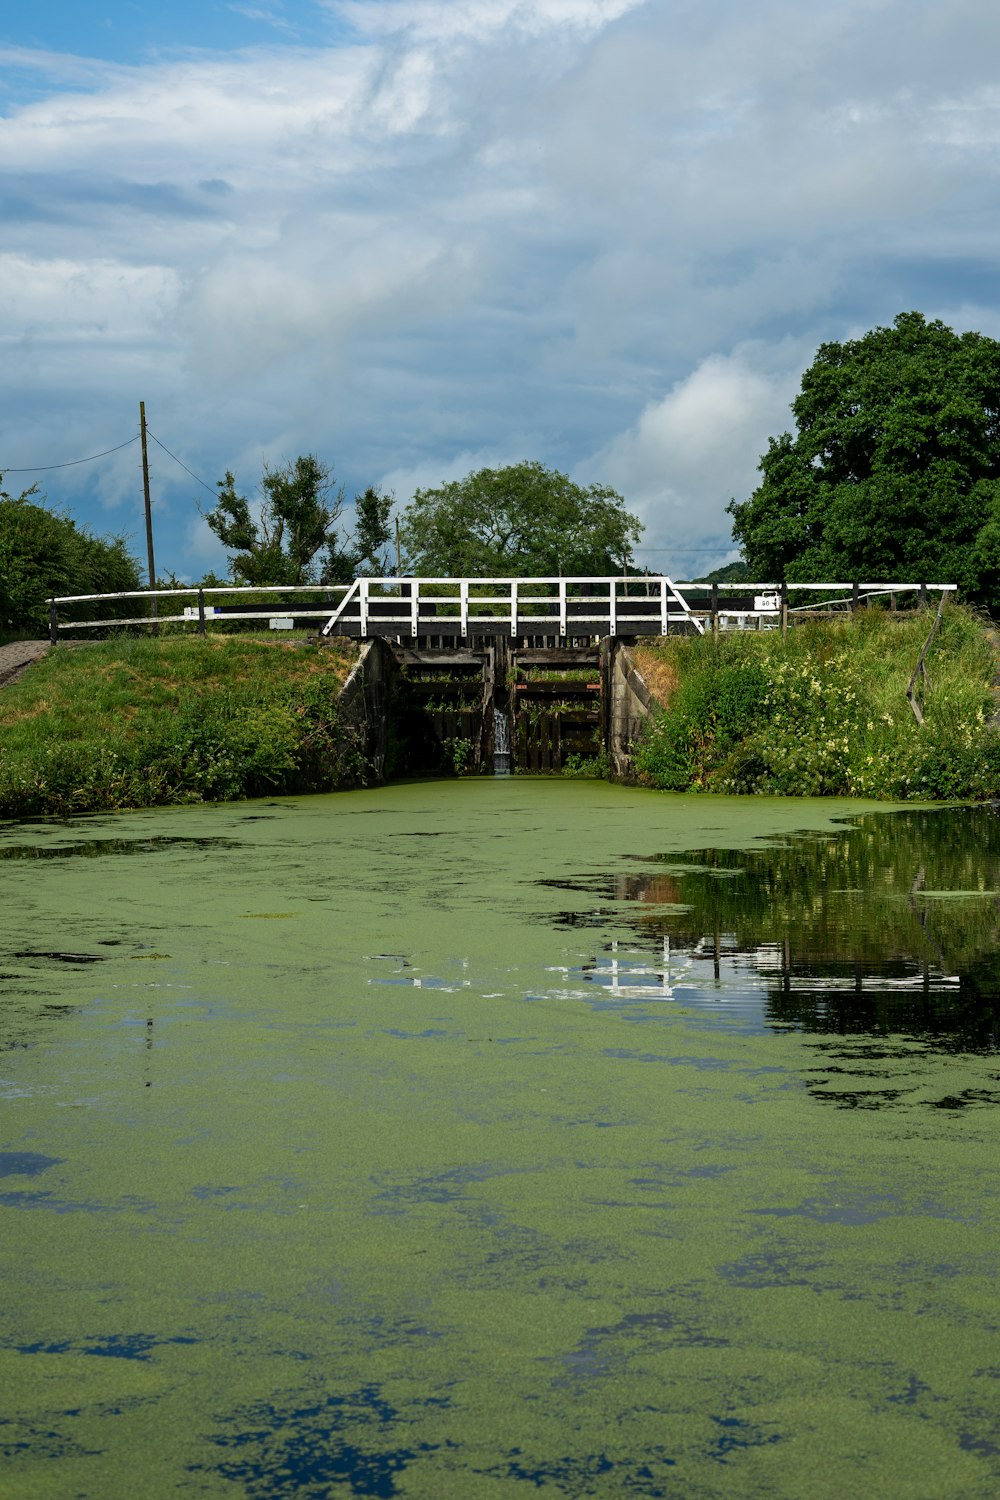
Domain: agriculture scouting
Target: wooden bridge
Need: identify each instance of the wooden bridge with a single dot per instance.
(452, 610)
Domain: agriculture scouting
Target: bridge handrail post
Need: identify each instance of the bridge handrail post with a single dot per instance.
(415, 608)
(664, 621)
(513, 608)
(363, 597)
(463, 600)
(613, 606)
(562, 607)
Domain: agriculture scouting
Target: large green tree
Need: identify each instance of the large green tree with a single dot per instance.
(290, 535)
(520, 521)
(43, 554)
(893, 472)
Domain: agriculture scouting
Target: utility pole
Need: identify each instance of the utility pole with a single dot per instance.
(153, 607)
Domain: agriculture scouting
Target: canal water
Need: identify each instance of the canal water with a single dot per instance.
(492, 1138)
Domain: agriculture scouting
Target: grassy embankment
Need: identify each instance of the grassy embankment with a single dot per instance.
(139, 722)
(823, 711)
(135, 723)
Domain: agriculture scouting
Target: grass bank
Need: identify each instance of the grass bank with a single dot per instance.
(823, 711)
(136, 723)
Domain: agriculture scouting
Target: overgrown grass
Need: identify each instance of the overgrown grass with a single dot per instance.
(823, 711)
(135, 723)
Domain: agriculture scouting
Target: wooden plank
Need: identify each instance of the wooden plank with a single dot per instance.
(435, 689)
(408, 657)
(557, 656)
(563, 689)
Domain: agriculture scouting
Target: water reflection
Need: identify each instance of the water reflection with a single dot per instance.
(889, 928)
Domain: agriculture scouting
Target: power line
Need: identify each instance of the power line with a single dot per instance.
(209, 487)
(44, 468)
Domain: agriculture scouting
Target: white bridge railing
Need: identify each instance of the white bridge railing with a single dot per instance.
(515, 606)
(580, 606)
(460, 607)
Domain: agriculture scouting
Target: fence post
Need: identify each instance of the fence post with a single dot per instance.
(855, 596)
(784, 608)
(201, 611)
(715, 611)
(53, 622)
(922, 596)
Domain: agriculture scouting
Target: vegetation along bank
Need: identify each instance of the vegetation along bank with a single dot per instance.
(136, 723)
(824, 710)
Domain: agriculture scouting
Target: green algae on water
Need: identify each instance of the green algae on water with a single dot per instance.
(470, 1177)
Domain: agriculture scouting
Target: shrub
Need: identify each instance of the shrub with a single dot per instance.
(43, 554)
(823, 712)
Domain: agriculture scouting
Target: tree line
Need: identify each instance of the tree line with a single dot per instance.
(516, 521)
(892, 474)
(45, 552)
(522, 520)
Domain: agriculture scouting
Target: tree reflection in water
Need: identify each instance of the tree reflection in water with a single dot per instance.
(891, 927)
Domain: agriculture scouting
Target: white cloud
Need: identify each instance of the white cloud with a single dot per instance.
(406, 480)
(440, 20)
(495, 229)
(698, 447)
(73, 300)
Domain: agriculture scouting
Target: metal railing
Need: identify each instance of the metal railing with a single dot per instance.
(458, 608)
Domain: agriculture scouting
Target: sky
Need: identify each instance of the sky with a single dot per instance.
(419, 237)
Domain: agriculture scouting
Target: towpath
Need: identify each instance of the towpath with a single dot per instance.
(17, 656)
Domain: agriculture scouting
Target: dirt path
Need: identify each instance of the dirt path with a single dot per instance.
(16, 657)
